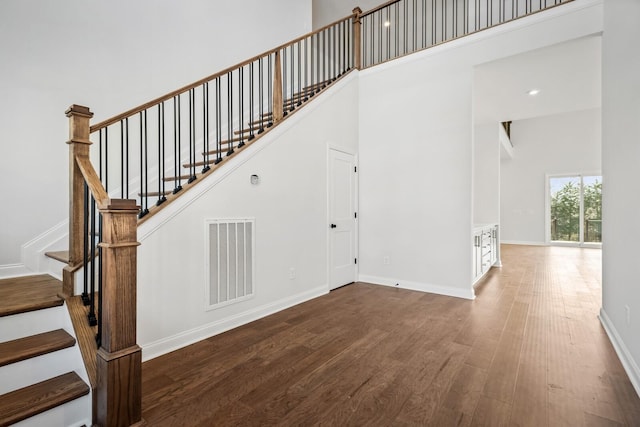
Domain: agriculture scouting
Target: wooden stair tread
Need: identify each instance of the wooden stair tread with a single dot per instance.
(247, 130)
(32, 400)
(176, 178)
(222, 150)
(62, 256)
(29, 293)
(156, 193)
(34, 345)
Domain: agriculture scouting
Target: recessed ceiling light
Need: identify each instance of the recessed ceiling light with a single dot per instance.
(533, 92)
(387, 23)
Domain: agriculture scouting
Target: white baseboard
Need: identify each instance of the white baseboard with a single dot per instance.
(629, 364)
(183, 339)
(14, 270)
(522, 242)
(422, 287)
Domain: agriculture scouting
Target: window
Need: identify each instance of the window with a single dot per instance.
(575, 209)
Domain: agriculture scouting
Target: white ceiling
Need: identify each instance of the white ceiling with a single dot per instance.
(568, 76)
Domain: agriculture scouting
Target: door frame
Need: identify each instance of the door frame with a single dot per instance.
(356, 236)
(547, 217)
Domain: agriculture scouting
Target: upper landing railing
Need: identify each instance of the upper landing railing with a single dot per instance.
(401, 27)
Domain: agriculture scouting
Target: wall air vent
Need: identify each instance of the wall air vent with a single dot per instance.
(229, 261)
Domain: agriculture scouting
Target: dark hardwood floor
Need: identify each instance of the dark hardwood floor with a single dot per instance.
(529, 351)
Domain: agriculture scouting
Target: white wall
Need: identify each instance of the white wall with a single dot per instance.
(109, 56)
(486, 173)
(416, 156)
(621, 186)
(291, 228)
(567, 143)
(327, 11)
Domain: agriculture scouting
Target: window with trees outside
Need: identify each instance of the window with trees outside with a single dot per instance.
(575, 209)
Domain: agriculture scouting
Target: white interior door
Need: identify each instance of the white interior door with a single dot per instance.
(342, 219)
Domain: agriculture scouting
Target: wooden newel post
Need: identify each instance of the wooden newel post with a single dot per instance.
(119, 361)
(79, 144)
(278, 103)
(357, 42)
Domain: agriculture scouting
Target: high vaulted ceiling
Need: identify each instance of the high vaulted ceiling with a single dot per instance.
(568, 76)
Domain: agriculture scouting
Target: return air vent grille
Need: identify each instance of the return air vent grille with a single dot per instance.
(230, 249)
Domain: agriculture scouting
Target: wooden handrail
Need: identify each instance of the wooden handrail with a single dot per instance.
(115, 119)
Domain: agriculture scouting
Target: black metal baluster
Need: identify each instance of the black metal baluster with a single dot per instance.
(285, 86)
(423, 27)
(99, 308)
(454, 19)
(241, 107)
(270, 86)
(292, 104)
(306, 62)
(434, 10)
(144, 166)
(230, 113)
(414, 29)
(205, 126)
(405, 38)
(122, 195)
(252, 99)
(177, 186)
(343, 47)
(318, 78)
(443, 20)
(161, 171)
(261, 96)
(312, 64)
(92, 280)
(192, 135)
(218, 121)
(325, 59)
(85, 246)
(334, 50)
(294, 92)
(300, 94)
(103, 157)
(126, 134)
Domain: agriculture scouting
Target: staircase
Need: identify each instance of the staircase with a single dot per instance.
(41, 370)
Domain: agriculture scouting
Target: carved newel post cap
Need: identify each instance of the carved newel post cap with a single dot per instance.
(78, 110)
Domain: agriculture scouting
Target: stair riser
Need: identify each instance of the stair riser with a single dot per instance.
(33, 322)
(71, 414)
(37, 369)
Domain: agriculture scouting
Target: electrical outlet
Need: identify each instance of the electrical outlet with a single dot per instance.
(292, 273)
(386, 261)
(628, 313)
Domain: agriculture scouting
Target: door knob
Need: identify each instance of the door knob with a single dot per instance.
(333, 226)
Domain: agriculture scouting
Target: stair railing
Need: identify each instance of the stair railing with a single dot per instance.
(118, 393)
(153, 152)
(401, 27)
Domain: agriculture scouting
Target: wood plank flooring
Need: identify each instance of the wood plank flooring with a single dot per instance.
(529, 351)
